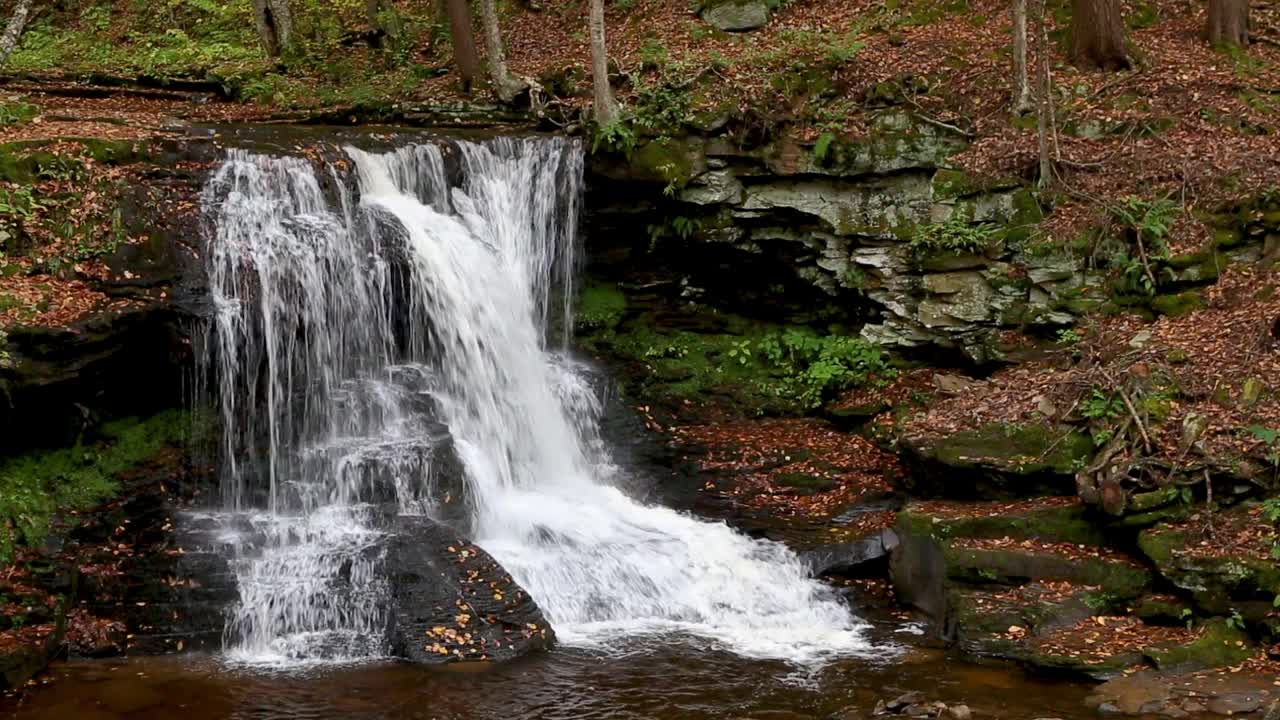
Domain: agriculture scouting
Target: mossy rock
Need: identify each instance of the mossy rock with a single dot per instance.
(949, 184)
(997, 460)
(600, 307)
(1220, 645)
(1117, 578)
(1069, 524)
(668, 160)
(1177, 305)
(1165, 610)
(982, 622)
(1218, 585)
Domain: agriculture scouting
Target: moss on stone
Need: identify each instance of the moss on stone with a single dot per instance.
(600, 307)
(1220, 645)
(1217, 584)
(1069, 524)
(666, 160)
(1019, 449)
(1179, 304)
(1013, 566)
(36, 486)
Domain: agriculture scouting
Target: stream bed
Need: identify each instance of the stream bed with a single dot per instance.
(666, 682)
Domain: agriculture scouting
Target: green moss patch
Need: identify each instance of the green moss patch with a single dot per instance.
(600, 307)
(1220, 645)
(37, 486)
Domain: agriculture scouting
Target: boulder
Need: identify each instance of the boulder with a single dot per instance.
(838, 558)
(451, 601)
(997, 460)
(1219, 583)
(736, 15)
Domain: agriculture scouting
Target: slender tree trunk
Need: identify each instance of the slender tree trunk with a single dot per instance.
(1228, 22)
(1021, 85)
(464, 42)
(1044, 97)
(1097, 35)
(275, 25)
(504, 83)
(606, 108)
(13, 31)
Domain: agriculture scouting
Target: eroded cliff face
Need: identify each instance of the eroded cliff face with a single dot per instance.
(887, 230)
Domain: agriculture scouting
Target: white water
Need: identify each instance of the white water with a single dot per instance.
(484, 265)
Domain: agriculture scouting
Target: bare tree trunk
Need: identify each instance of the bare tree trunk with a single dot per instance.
(1021, 85)
(275, 24)
(1097, 35)
(606, 108)
(13, 31)
(504, 83)
(1044, 98)
(464, 42)
(1228, 22)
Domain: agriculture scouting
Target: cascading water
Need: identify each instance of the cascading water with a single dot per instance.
(354, 324)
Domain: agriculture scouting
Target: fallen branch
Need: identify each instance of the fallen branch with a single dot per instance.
(1133, 411)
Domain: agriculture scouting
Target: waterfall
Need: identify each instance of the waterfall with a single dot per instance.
(359, 335)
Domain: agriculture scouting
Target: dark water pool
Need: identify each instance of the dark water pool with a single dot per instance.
(665, 683)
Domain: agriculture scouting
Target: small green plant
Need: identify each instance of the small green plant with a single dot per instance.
(956, 235)
(1149, 223)
(1069, 336)
(822, 148)
(679, 227)
(1235, 621)
(741, 351)
(18, 113)
(653, 55)
(1188, 617)
(615, 137)
(844, 49)
(1101, 405)
(815, 366)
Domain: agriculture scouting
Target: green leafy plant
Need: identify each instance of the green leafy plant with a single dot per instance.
(1235, 621)
(822, 148)
(1069, 336)
(956, 235)
(1149, 223)
(616, 136)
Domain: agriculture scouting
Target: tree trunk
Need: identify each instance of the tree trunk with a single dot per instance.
(504, 83)
(1044, 95)
(1097, 35)
(275, 25)
(606, 108)
(1021, 85)
(1228, 22)
(13, 31)
(464, 42)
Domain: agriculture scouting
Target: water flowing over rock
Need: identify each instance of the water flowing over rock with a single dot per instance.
(388, 355)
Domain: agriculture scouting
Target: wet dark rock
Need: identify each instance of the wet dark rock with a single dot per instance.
(1235, 703)
(918, 571)
(844, 558)
(20, 663)
(451, 601)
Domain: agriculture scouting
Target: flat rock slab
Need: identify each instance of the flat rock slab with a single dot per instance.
(451, 601)
(1179, 696)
